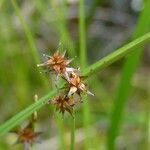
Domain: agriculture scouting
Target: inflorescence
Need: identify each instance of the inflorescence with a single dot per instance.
(60, 66)
(67, 98)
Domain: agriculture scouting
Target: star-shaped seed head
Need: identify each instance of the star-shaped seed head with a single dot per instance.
(27, 136)
(57, 63)
(76, 85)
(64, 103)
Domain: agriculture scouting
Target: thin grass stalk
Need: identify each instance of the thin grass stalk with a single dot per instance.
(21, 75)
(60, 124)
(27, 32)
(148, 118)
(129, 69)
(117, 54)
(148, 133)
(83, 63)
(99, 65)
(72, 145)
(59, 22)
(30, 40)
(82, 35)
(61, 25)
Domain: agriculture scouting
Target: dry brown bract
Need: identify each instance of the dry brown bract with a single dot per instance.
(27, 136)
(57, 63)
(76, 85)
(64, 103)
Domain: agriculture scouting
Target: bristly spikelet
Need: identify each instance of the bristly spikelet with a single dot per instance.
(58, 64)
(27, 136)
(74, 82)
(76, 85)
(64, 103)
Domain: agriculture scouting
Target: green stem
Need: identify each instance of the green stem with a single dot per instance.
(83, 50)
(118, 54)
(60, 124)
(72, 146)
(83, 63)
(61, 26)
(27, 32)
(20, 117)
(30, 40)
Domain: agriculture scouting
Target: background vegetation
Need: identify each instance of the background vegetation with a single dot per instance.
(117, 117)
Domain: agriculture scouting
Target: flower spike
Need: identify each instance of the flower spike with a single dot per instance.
(76, 85)
(63, 103)
(57, 63)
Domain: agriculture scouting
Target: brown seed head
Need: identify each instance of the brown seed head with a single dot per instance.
(57, 63)
(27, 135)
(64, 103)
(77, 85)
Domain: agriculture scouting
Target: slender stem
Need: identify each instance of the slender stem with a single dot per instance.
(148, 134)
(27, 32)
(20, 117)
(60, 124)
(73, 132)
(83, 50)
(118, 54)
(30, 40)
(83, 63)
(61, 26)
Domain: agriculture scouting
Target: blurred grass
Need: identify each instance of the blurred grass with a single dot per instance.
(61, 132)
(27, 31)
(61, 24)
(83, 64)
(129, 69)
(30, 40)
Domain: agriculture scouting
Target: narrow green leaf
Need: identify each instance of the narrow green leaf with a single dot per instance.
(83, 49)
(30, 40)
(27, 32)
(72, 146)
(83, 64)
(116, 55)
(17, 119)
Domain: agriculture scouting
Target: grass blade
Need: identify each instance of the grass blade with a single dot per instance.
(27, 32)
(25, 113)
(116, 55)
(83, 49)
(61, 26)
(30, 40)
(72, 146)
(83, 63)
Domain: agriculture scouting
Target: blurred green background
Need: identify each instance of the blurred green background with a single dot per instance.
(29, 28)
